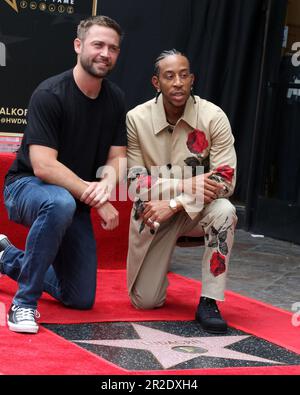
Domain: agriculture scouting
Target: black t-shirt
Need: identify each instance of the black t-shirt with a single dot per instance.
(81, 129)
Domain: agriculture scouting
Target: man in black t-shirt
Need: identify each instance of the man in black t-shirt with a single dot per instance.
(75, 126)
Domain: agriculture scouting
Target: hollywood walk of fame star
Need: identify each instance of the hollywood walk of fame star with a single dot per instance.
(171, 350)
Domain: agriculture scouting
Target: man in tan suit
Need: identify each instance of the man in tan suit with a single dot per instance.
(168, 135)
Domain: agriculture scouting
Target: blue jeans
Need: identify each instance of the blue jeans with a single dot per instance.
(60, 253)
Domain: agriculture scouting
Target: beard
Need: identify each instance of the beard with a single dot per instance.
(93, 70)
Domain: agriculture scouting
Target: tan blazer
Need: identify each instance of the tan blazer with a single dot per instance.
(202, 135)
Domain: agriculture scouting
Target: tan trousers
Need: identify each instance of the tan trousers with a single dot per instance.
(217, 221)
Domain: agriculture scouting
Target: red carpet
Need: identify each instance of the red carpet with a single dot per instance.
(112, 246)
(49, 354)
(23, 354)
(112, 303)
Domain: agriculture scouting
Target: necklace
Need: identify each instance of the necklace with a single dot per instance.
(171, 126)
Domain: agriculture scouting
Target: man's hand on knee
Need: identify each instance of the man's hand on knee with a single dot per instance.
(96, 194)
(109, 215)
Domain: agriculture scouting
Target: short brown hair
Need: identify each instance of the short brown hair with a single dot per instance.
(99, 20)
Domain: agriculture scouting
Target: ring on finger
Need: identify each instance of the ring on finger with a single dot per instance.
(156, 224)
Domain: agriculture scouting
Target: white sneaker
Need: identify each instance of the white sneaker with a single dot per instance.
(22, 319)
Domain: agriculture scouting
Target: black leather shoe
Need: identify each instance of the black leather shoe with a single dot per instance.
(209, 316)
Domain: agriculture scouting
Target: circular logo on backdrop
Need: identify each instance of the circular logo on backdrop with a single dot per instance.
(33, 5)
(42, 6)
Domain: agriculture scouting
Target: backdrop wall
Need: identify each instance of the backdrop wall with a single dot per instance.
(223, 39)
(37, 42)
